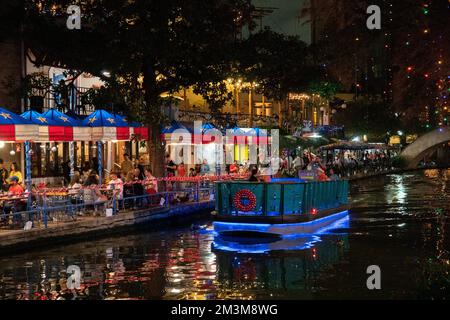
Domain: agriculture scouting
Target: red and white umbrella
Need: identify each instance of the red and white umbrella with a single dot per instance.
(72, 128)
(14, 128)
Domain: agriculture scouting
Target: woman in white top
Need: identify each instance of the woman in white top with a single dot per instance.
(75, 185)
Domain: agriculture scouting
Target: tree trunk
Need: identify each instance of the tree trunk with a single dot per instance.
(153, 116)
(156, 151)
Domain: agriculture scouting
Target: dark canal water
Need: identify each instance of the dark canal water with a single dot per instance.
(398, 222)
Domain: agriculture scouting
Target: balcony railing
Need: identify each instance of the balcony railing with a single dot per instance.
(241, 119)
(42, 101)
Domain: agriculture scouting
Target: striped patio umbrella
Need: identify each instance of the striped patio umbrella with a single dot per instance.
(167, 131)
(15, 128)
(73, 129)
(207, 138)
(262, 136)
(238, 136)
(123, 130)
(102, 124)
(49, 130)
(139, 130)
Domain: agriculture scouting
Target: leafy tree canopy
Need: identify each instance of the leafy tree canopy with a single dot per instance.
(278, 63)
(165, 44)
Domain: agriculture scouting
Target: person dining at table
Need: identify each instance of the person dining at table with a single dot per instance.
(3, 177)
(14, 205)
(14, 171)
(15, 189)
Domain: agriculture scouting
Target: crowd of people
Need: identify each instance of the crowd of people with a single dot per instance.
(11, 184)
(132, 180)
(202, 168)
(136, 181)
(323, 166)
(331, 166)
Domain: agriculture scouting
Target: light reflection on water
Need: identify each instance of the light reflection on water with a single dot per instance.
(399, 222)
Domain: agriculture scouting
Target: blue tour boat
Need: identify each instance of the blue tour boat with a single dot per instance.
(264, 213)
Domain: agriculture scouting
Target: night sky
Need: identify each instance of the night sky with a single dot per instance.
(285, 18)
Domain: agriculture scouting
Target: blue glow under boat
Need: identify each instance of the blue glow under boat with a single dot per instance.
(265, 213)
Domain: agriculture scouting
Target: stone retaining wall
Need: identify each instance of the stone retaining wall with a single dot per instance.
(96, 226)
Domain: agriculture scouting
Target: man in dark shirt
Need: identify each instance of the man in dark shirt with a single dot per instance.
(140, 166)
(170, 166)
(253, 177)
(138, 188)
(3, 177)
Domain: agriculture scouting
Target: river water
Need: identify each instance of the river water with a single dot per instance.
(397, 222)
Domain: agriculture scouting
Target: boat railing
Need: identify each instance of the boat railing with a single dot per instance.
(243, 198)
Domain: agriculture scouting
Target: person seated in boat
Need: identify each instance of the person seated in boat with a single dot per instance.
(234, 167)
(332, 175)
(321, 176)
(317, 163)
(241, 170)
(253, 175)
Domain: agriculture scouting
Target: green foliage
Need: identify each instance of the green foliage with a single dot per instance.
(166, 44)
(118, 94)
(34, 83)
(215, 94)
(324, 88)
(279, 64)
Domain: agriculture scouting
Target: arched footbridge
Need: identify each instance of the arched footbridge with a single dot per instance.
(425, 145)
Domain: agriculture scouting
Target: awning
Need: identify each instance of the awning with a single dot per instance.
(15, 128)
(245, 136)
(102, 124)
(48, 129)
(123, 130)
(139, 131)
(238, 136)
(73, 129)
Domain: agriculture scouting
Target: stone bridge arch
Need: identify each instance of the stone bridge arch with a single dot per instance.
(424, 145)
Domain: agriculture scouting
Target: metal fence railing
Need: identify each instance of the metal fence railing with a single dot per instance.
(47, 208)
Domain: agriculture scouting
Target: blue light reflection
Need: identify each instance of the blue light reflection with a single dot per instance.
(293, 241)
